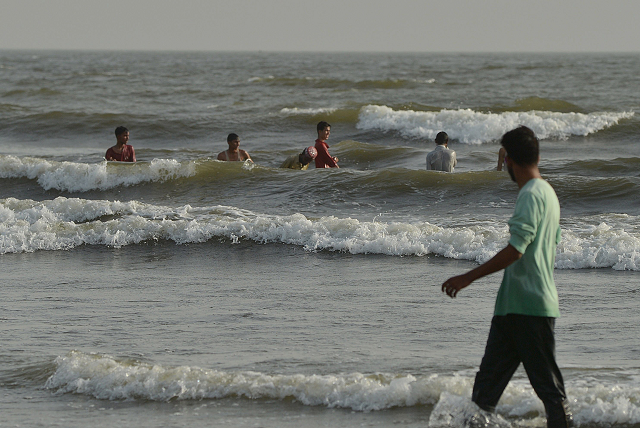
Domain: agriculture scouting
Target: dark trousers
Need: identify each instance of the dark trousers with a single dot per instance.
(515, 339)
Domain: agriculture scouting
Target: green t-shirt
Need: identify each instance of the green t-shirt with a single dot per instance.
(527, 286)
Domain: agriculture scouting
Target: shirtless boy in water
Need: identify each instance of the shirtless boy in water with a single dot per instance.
(234, 153)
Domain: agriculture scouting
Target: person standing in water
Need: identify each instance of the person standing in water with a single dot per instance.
(501, 154)
(324, 159)
(442, 158)
(234, 153)
(122, 151)
(302, 160)
(522, 328)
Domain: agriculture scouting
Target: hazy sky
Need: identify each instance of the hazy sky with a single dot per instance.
(327, 25)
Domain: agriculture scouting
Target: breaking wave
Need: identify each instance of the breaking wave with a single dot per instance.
(65, 223)
(595, 399)
(471, 127)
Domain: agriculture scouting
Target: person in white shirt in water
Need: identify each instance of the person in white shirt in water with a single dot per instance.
(442, 158)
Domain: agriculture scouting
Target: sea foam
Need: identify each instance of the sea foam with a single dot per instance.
(64, 223)
(306, 111)
(599, 246)
(593, 400)
(83, 177)
(104, 377)
(471, 127)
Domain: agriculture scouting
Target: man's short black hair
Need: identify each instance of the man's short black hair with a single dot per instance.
(121, 130)
(522, 146)
(322, 126)
(232, 137)
(442, 138)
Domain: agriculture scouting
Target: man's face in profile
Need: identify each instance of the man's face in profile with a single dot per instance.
(324, 134)
(123, 138)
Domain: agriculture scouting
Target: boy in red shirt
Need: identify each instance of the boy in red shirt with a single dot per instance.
(122, 151)
(324, 159)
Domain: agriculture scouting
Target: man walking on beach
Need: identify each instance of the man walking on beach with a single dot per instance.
(522, 328)
(442, 158)
(324, 159)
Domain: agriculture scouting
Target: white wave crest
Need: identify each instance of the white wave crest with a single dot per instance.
(610, 400)
(259, 79)
(307, 111)
(599, 246)
(104, 377)
(470, 127)
(458, 411)
(65, 223)
(82, 177)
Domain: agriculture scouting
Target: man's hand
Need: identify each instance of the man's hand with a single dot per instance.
(498, 262)
(454, 284)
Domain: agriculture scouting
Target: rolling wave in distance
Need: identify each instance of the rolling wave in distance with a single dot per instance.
(82, 177)
(346, 84)
(616, 182)
(472, 127)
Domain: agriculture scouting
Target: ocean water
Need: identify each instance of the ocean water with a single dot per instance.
(182, 291)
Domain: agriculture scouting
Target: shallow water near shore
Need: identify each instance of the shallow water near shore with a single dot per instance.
(226, 343)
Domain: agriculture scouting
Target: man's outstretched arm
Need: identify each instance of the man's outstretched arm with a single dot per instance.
(498, 262)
